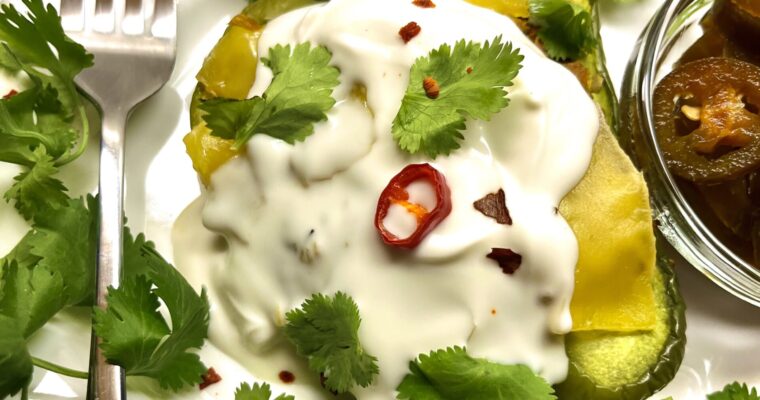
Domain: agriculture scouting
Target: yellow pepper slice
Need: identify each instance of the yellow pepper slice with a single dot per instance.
(230, 69)
(510, 8)
(208, 152)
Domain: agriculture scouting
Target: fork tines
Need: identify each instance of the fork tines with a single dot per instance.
(154, 18)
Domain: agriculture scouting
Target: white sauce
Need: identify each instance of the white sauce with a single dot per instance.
(299, 219)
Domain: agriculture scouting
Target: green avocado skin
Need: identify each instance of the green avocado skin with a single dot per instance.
(581, 386)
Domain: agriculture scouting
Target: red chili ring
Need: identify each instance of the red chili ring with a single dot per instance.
(396, 192)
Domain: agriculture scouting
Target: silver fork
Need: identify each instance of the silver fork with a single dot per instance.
(134, 43)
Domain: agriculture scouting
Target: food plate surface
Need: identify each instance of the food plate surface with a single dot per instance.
(723, 332)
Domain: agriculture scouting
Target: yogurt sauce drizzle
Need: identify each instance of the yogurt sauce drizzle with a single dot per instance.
(299, 219)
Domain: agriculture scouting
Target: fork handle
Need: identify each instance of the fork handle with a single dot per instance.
(106, 380)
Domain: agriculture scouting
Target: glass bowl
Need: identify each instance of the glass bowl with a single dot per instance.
(671, 31)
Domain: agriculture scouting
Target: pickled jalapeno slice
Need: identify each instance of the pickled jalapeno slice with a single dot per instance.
(706, 119)
(740, 19)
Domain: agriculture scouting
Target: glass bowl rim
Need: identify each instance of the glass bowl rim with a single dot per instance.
(676, 220)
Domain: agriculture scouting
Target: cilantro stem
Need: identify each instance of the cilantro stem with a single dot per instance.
(82, 146)
(25, 393)
(59, 369)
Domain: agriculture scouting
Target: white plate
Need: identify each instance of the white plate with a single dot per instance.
(723, 333)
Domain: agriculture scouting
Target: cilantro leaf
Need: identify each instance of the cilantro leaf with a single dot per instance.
(15, 361)
(451, 374)
(30, 39)
(433, 126)
(735, 391)
(31, 296)
(43, 114)
(35, 190)
(65, 241)
(132, 314)
(299, 96)
(258, 392)
(134, 334)
(8, 60)
(326, 331)
(565, 28)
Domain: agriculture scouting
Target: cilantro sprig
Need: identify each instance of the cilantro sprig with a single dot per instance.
(472, 78)
(133, 331)
(52, 267)
(298, 97)
(565, 28)
(735, 391)
(451, 374)
(258, 392)
(15, 361)
(43, 114)
(325, 330)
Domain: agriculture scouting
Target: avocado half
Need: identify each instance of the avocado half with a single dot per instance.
(630, 366)
(603, 365)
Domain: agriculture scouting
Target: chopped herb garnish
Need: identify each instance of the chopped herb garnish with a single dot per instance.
(449, 86)
(298, 97)
(134, 333)
(735, 391)
(564, 27)
(325, 330)
(258, 392)
(451, 374)
(43, 127)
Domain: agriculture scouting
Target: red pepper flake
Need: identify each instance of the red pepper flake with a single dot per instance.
(286, 376)
(432, 90)
(10, 94)
(209, 378)
(493, 311)
(508, 260)
(424, 3)
(469, 70)
(409, 31)
(494, 205)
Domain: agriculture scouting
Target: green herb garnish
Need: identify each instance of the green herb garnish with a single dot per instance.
(15, 361)
(326, 331)
(298, 97)
(735, 391)
(53, 266)
(258, 392)
(451, 374)
(565, 28)
(134, 333)
(470, 79)
(43, 114)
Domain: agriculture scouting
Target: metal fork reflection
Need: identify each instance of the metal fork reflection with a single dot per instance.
(134, 43)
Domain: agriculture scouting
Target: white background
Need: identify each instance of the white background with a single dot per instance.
(723, 333)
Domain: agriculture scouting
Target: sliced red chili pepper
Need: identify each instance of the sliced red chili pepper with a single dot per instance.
(10, 94)
(396, 193)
